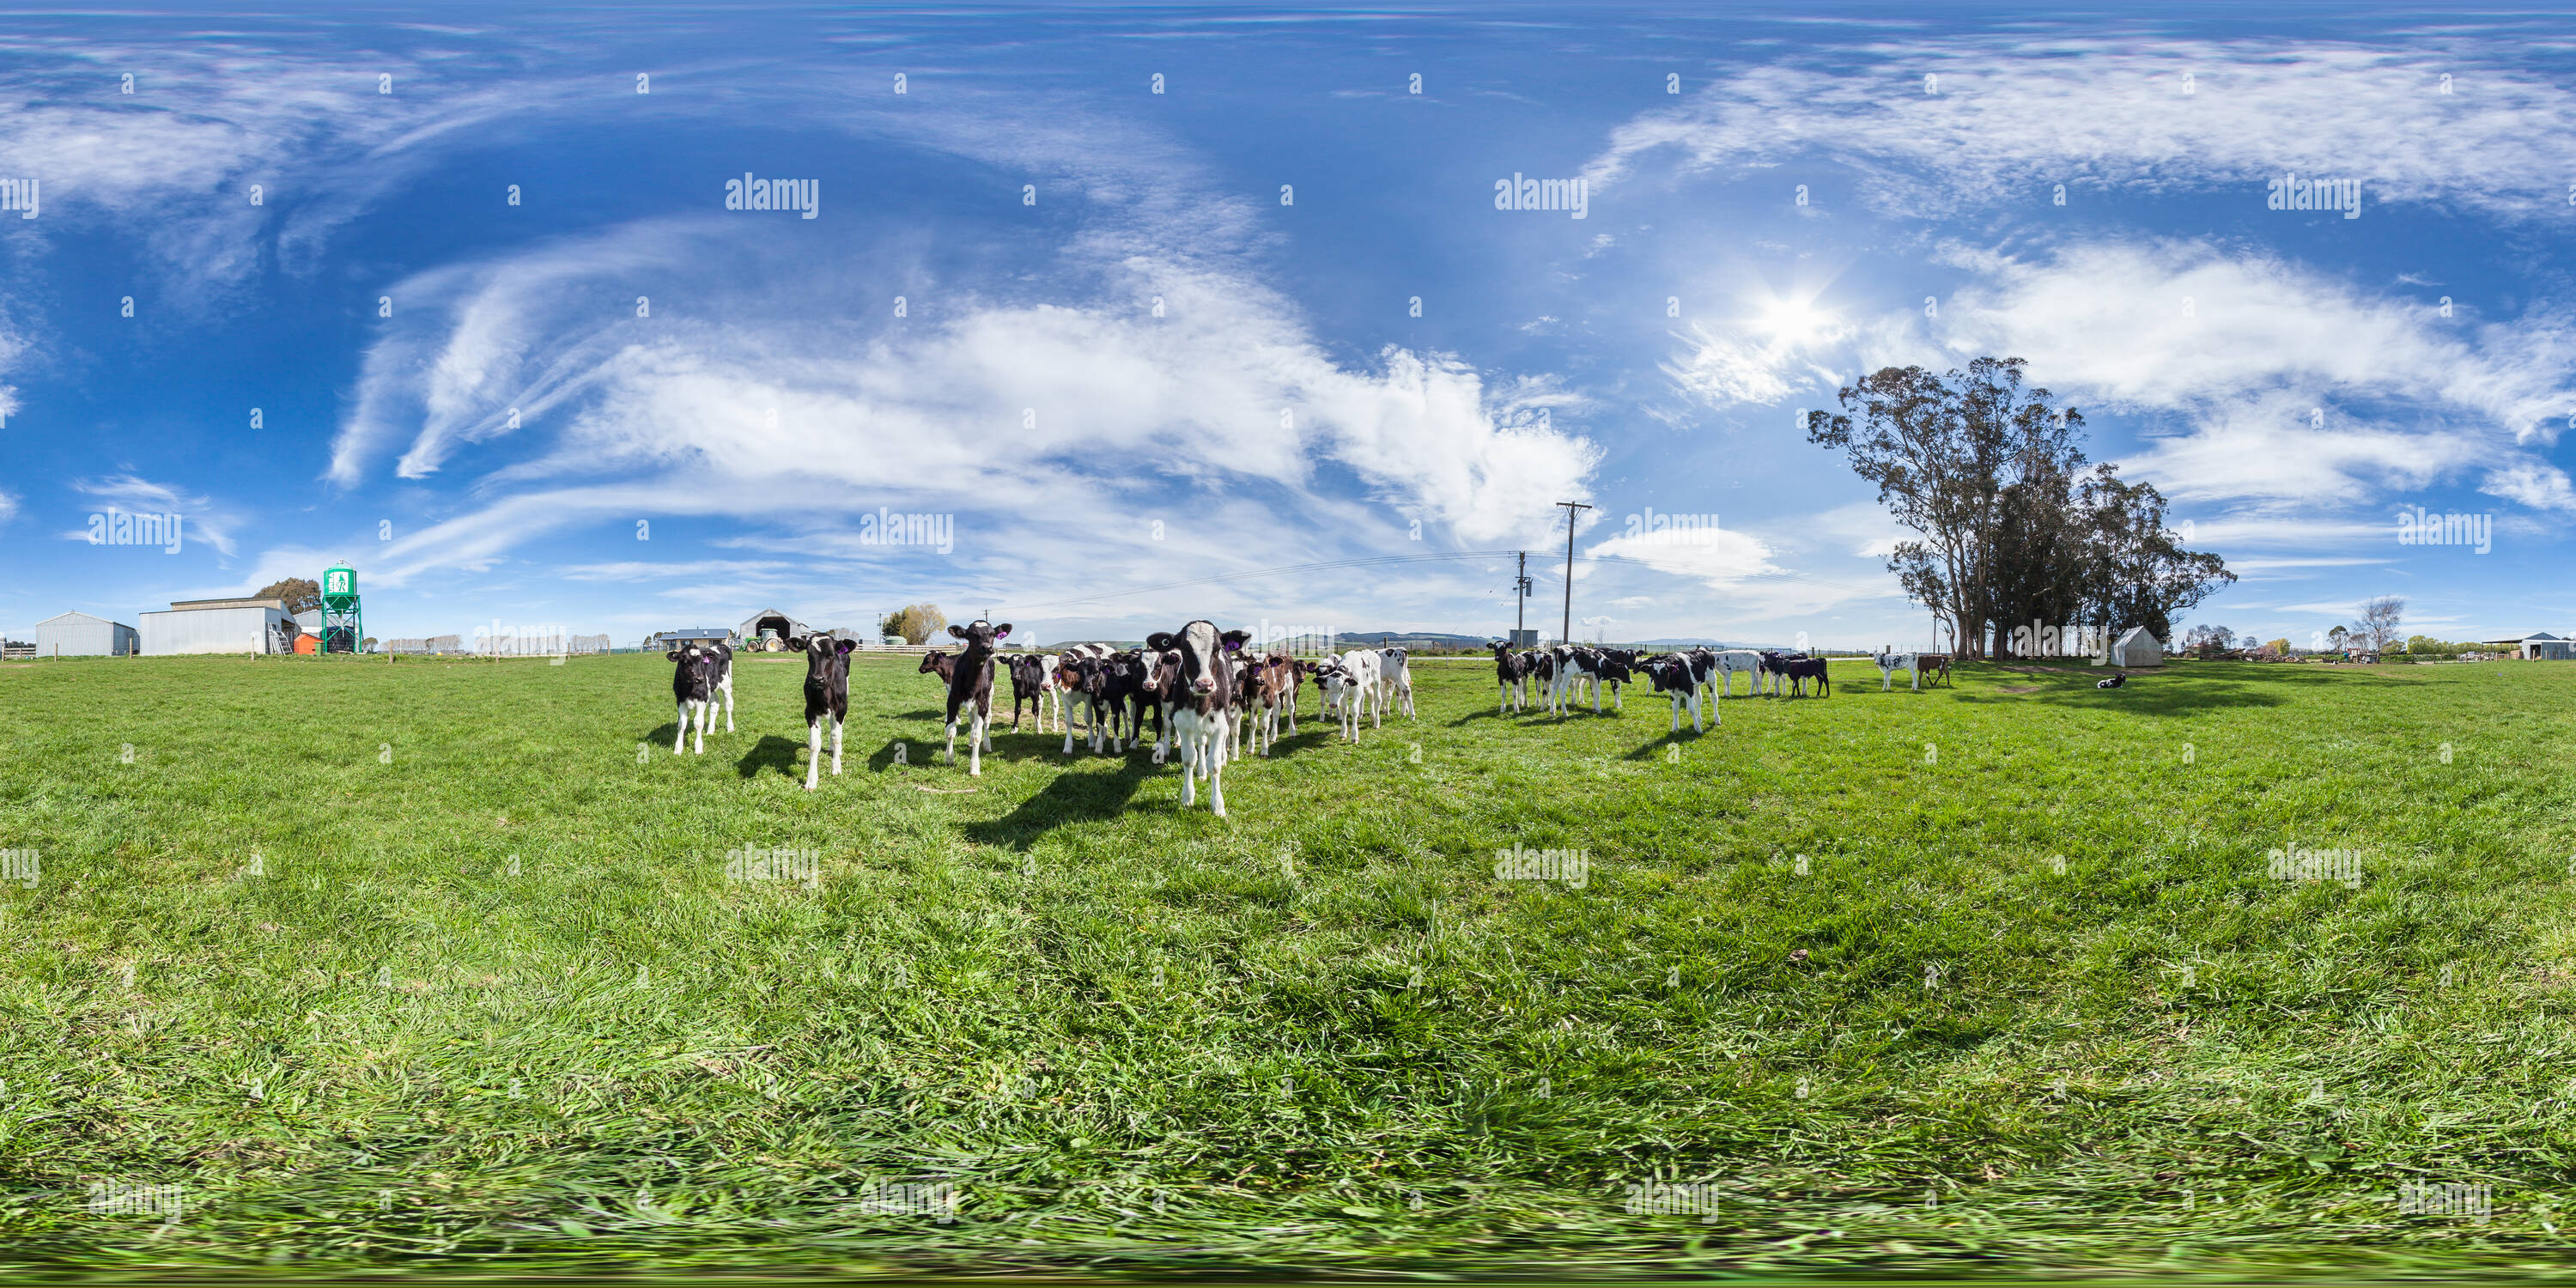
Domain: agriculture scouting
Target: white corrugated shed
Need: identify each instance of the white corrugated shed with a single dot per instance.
(2138, 648)
(219, 626)
(81, 635)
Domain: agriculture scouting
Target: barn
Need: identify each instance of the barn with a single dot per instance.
(81, 635)
(768, 631)
(2537, 646)
(2139, 647)
(219, 626)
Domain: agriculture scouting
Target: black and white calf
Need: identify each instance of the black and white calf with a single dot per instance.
(972, 683)
(1511, 679)
(1085, 680)
(1673, 676)
(1033, 683)
(1798, 670)
(1575, 665)
(827, 697)
(702, 677)
(1202, 718)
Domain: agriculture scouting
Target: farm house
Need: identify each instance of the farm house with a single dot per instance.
(81, 635)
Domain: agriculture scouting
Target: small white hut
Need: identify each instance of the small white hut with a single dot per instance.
(2139, 647)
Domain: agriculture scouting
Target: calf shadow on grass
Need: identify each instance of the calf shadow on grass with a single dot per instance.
(1655, 746)
(774, 750)
(1066, 799)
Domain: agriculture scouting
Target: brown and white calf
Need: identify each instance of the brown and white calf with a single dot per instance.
(970, 684)
(1202, 719)
(702, 677)
(1268, 685)
(827, 697)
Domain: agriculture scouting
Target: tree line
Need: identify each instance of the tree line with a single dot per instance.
(2011, 528)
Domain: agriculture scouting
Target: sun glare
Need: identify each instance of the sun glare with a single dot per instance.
(1795, 324)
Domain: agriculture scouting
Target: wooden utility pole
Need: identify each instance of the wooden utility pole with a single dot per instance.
(1565, 631)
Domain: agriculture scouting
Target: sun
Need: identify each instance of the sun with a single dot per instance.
(1794, 323)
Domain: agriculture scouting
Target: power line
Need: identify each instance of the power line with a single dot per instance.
(1437, 557)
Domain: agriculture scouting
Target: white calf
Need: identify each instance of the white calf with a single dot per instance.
(1394, 681)
(1730, 661)
(1350, 688)
(1891, 663)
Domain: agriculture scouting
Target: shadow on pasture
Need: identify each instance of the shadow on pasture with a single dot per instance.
(1655, 746)
(1066, 799)
(2154, 693)
(779, 752)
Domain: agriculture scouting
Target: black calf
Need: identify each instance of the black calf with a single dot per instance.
(827, 697)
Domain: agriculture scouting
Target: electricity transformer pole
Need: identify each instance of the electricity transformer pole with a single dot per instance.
(1566, 631)
(1520, 601)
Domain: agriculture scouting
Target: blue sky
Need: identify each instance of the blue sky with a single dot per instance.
(2290, 379)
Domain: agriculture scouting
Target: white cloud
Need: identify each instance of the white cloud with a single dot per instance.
(1070, 416)
(204, 520)
(2290, 385)
(2536, 484)
(2014, 115)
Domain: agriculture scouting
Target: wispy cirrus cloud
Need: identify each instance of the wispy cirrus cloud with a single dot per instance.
(2004, 118)
(205, 520)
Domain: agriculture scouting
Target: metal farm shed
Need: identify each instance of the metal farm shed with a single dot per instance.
(219, 626)
(81, 635)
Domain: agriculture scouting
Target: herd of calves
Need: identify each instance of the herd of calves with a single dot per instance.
(1208, 697)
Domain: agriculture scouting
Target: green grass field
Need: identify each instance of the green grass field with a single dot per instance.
(428, 964)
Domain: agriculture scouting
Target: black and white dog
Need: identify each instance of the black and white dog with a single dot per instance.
(827, 697)
(702, 677)
(2112, 683)
(972, 682)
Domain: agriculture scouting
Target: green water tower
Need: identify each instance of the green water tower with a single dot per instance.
(342, 628)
